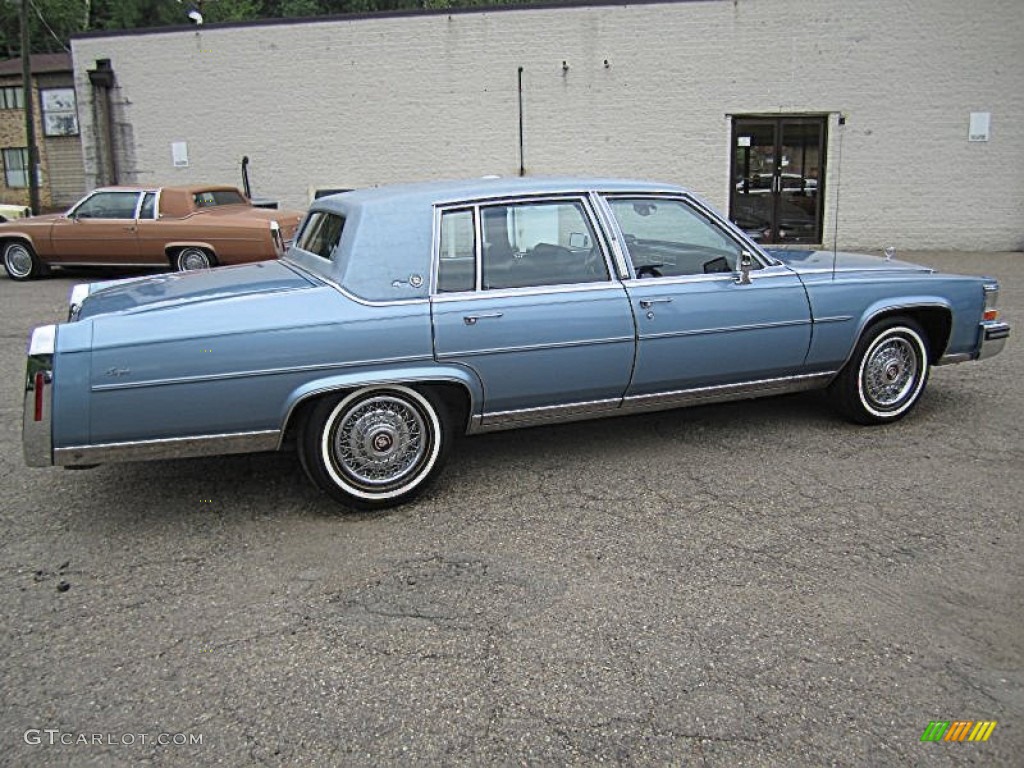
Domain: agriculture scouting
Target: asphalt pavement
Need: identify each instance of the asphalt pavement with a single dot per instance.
(751, 584)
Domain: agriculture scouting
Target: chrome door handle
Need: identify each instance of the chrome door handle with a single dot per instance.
(648, 303)
(471, 319)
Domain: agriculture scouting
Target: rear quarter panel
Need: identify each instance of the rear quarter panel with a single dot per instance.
(227, 366)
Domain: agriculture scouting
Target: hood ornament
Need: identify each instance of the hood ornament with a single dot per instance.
(889, 253)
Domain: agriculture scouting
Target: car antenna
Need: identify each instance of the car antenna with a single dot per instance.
(835, 225)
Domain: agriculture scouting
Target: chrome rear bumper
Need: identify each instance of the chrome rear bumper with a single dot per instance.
(36, 434)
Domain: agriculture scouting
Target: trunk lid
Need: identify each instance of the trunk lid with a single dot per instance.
(142, 294)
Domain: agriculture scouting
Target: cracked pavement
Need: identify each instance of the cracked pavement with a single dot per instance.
(750, 584)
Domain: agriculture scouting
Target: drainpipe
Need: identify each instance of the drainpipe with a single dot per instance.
(522, 158)
(102, 79)
(30, 120)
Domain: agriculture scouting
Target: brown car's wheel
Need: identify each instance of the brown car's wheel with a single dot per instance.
(886, 375)
(21, 262)
(188, 259)
(376, 447)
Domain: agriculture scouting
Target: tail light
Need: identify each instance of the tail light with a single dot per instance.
(990, 312)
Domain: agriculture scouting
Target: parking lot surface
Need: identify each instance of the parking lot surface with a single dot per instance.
(755, 584)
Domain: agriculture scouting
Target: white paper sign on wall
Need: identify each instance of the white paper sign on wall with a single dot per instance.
(179, 154)
(981, 124)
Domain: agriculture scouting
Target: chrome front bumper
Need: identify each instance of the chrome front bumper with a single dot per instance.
(993, 338)
(36, 434)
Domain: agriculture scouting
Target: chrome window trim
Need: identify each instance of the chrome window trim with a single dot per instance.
(344, 292)
(168, 448)
(765, 273)
(583, 197)
(544, 290)
(501, 420)
(726, 228)
(106, 191)
(435, 248)
(478, 249)
(610, 232)
(259, 372)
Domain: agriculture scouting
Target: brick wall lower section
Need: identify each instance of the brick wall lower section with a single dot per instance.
(645, 91)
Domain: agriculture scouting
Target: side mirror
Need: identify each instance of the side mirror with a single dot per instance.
(743, 268)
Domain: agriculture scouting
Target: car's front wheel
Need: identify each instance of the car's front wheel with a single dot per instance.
(21, 262)
(375, 447)
(188, 259)
(886, 375)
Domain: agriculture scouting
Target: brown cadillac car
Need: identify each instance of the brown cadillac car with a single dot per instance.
(180, 227)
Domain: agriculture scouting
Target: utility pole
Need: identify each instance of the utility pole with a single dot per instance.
(30, 113)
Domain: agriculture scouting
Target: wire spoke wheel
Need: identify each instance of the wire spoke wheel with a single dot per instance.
(890, 372)
(189, 259)
(376, 447)
(886, 374)
(380, 442)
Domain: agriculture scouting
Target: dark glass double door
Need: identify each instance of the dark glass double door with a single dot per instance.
(778, 172)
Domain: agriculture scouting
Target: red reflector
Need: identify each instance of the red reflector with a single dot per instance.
(40, 381)
(991, 314)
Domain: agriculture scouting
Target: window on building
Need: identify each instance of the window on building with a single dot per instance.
(16, 167)
(60, 113)
(12, 97)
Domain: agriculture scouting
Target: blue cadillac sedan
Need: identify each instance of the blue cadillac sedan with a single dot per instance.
(405, 316)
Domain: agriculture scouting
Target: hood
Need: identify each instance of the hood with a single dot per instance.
(818, 261)
(141, 294)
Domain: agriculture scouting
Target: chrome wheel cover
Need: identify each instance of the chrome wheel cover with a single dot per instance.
(18, 260)
(891, 373)
(380, 444)
(193, 258)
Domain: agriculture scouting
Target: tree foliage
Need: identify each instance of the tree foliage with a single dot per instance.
(53, 22)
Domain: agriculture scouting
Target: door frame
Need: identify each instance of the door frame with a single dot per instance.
(821, 119)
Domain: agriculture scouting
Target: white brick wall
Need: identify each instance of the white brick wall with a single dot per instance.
(367, 101)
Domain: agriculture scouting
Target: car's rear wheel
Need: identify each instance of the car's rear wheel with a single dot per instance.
(188, 259)
(886, 375)
(376, 447)
(21, 262)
